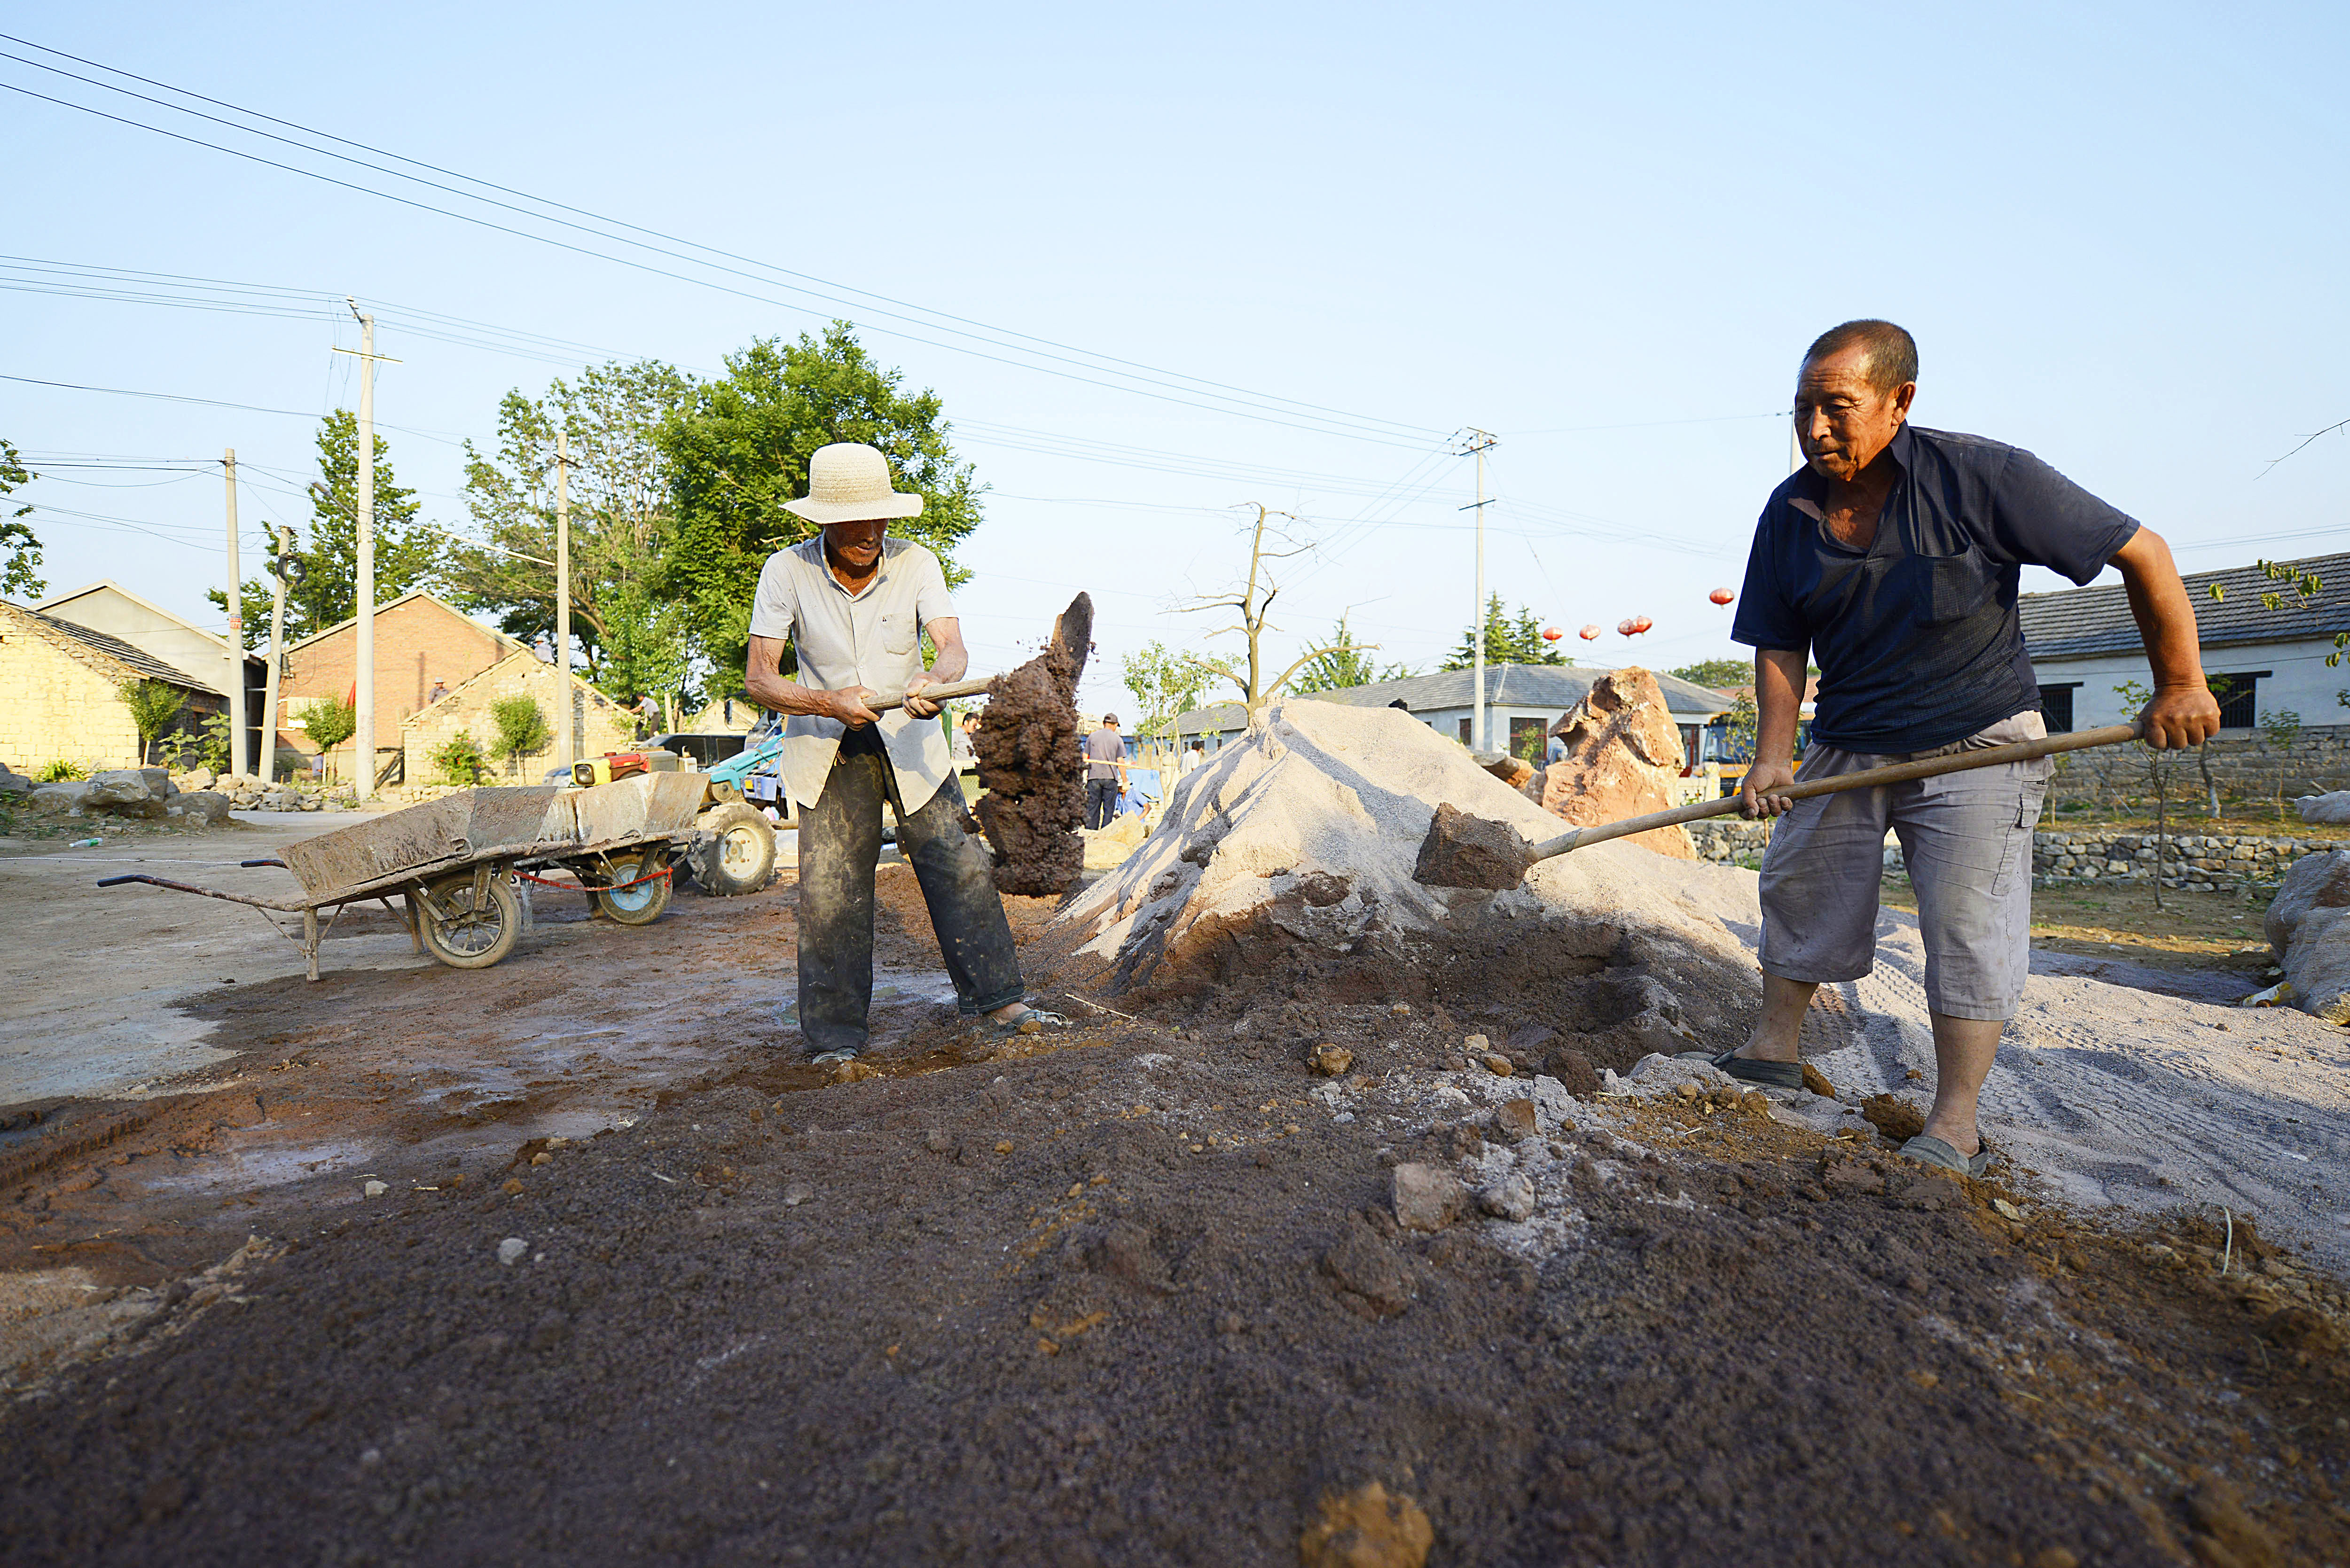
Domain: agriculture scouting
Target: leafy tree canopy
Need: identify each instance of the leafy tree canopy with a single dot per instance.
(739, 448)
(1345, 662)
(1719, 673)
(20, 552)
(1518, 641)
(407, 554)
(1166, 684)
(622, 524)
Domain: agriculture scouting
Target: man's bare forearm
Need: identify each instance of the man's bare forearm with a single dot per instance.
(2165, 616)
(1779, 676)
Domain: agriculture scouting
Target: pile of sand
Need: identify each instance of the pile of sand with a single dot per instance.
(1303, 835)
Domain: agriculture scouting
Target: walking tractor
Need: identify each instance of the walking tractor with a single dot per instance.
(455, 862)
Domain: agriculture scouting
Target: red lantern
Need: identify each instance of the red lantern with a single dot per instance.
(1625, 627)
(1722, 595)
(1552, 634)
(1588, 634)
(1641, 623)
(1633, 626)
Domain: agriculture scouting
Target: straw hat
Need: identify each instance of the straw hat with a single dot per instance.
(849, 482)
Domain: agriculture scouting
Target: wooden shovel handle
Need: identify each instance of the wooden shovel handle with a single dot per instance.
(970, 686)
(1868, 778)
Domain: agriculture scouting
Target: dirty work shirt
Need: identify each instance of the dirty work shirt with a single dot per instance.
(1103, 748)
(1917, 636)
(872, 639)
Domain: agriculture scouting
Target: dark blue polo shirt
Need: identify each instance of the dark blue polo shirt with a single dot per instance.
(1917, 636)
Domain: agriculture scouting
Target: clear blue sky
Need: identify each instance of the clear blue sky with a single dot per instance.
(1604, 232)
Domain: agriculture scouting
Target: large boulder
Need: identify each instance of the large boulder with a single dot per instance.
(1624, 754)
(2331, 808)
(2309, 925)
(62, 799)
(203, 807)
(14, 783)
(127, 792)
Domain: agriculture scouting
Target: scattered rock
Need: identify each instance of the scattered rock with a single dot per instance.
(1462, 850)
(1894, 1117)
(1476, 1045)
(1516, 1119)
(1574, 1072)
(1511, 1198)
(208, 807)
(797, 1193)
(511, 1250)
(1367, 1528)
(2006, 1210)
(63, 799)
(1512, 771)
(1428, 1197)
(1501, 1066)
(2308, 924)
(1371, 1277)
(127, 792)
(375, 1189)
(1330, 1060)
(1817, 1082)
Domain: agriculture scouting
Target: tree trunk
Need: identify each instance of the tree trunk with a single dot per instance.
(2161, 829)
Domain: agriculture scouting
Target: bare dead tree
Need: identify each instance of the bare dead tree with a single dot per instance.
(1252, 601)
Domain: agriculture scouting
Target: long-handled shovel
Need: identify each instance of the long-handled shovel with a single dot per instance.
(1465, 851)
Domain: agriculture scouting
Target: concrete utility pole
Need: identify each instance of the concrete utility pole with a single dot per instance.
(363, 736)
(236, 630)
(276, 656)
(563, 737)
(1480, 731)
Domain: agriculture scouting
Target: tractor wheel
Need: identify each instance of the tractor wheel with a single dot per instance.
(470, 937)
(733, 850)
(642, 904)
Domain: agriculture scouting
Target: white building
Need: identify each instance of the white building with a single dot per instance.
(108, 606)
(2084, 643)
(1521, 703)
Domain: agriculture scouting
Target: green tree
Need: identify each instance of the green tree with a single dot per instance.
(459, 759)
(1507, 640)
(153, 705)
(329, 721)
(407, 554)
(1717, 673)
(20, 551)
(523, 729)
(1344, 662)
(622, 522)
(1166, 685)
(739, 449)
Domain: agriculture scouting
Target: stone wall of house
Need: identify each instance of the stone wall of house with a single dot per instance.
(2244, 764)
(601, 724)
(57, 701)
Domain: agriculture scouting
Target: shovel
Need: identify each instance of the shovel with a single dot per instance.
(1465, 851)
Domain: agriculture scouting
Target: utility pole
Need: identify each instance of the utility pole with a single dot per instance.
(236, 630)
(278, 569)
(363, 736)
(563, 736)
(1480, 732)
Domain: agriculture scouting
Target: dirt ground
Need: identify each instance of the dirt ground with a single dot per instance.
(639, 1286)
(2199, 931)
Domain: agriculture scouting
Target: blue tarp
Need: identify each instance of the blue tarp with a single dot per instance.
(1142, 790)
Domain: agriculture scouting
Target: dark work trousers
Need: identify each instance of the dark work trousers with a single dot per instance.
(840, 844)
(1101, 802)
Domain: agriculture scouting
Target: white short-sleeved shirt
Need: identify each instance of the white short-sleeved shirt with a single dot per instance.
(872, 639)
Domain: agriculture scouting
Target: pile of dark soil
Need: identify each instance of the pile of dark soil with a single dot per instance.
(1135, 1295)
(1031, 766)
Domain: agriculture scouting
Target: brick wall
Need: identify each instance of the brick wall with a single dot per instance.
(601, 724)
(57, 701)
(418, 641)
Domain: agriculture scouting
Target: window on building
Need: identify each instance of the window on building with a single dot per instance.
(1690, 736)
(1526, 740)
(2238, 698)
(1464, 731)
(2056, 706)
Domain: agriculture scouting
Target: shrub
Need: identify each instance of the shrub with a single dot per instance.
(522, 728)
(60, 772)
(332, 723)
(460, 759)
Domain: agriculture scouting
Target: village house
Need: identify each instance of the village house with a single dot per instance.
(424, 649)
(600, 723)
(59, 701)
(1521, 703)
(108, 606)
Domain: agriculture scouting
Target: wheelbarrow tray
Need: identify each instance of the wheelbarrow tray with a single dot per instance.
(403, 845)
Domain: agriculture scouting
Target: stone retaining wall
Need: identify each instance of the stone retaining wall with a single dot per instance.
(2242, 764)
(2227, 863)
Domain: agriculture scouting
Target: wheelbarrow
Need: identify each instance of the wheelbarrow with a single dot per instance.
(455, 862)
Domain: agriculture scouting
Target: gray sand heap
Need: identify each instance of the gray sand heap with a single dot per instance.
(1300, 838)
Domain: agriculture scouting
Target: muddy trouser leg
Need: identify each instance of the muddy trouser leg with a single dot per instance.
(958, 882)
(839, 845)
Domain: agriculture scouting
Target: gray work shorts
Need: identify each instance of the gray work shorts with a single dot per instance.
(1966, 839)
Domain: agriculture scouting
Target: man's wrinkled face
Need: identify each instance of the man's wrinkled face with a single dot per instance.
(1841, 421)
(857, 544)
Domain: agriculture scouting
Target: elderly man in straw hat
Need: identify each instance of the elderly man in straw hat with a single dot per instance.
(854, 602)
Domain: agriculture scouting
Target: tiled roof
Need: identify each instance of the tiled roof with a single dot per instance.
(2077, 623)
(1554, 687)
(140, 662)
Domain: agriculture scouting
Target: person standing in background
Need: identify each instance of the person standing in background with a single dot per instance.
(1105, 772)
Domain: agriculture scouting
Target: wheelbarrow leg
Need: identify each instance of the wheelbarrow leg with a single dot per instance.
(310, 939)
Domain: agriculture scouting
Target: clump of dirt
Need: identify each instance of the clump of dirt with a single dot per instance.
(1465, 851)
(1032, 766)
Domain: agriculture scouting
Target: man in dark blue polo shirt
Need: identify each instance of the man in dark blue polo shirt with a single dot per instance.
(1892, 558)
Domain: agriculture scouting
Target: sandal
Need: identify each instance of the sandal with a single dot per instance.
(1035, 1021)
(1933, 1151)
(1770, 1075)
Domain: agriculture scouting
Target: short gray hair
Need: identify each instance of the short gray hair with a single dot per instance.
(1892, 352)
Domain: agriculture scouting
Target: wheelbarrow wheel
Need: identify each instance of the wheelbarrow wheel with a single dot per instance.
(732, 850)
(642, 904)
(470, 937)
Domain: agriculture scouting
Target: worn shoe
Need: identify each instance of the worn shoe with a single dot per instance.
(1770, 1075)
(1927, 1150)
(1035, 1021)
(832, 1058)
